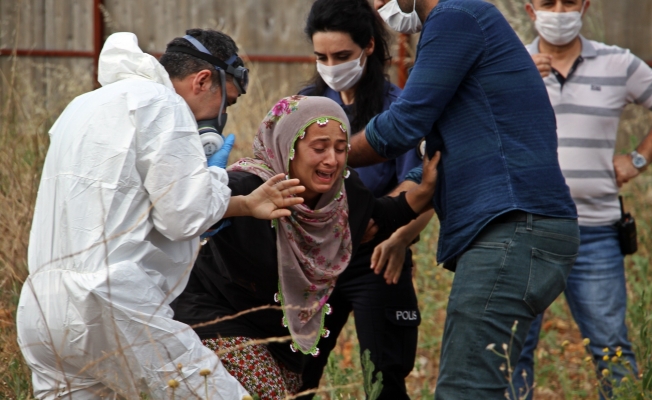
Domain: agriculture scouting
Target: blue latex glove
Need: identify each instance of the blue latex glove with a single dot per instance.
(225, 223)
(221, 158)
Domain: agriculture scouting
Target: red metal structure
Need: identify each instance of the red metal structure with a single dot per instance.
(98, 40)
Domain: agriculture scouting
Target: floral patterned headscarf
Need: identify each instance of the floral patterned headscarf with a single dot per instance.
(313, 246)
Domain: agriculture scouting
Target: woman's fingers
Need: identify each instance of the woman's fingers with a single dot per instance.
(287, 187)
(292, 191)
(281, 212)
(391, 276)
(291, 201)
(378, 259)
(281, 183)
(394, 265)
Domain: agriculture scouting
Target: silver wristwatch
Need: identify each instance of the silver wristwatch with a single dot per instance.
(638, 160)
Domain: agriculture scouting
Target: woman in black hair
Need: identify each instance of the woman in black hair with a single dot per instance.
(351, 45)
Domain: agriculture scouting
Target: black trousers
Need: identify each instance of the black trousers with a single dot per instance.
(386, 321)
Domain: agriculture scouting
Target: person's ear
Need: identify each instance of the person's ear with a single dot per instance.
(587, 4)
(202, 81)
(530, 11)
(369, 50)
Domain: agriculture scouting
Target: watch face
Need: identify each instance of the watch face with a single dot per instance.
(421, 148)
(638, 160)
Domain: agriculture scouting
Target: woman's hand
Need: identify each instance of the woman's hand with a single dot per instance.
(268, 201)
(390, 253)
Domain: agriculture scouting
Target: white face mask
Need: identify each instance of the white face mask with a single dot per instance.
(342, 76)
(398, 20)
(558, 28)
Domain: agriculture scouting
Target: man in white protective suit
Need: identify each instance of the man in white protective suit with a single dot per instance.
(125, 194)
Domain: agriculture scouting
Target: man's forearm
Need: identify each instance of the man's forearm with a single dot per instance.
(361, 153)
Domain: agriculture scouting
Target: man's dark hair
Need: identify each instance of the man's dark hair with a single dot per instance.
(361, 22)
(180, 65)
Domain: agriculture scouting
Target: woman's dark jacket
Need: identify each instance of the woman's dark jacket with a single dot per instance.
(236, 270)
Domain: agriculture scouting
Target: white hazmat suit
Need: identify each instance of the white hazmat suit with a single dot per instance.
(124, 195)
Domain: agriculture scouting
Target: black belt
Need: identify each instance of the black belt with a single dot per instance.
(516, 216)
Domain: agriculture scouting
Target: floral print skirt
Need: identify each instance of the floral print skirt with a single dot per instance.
(255, 368)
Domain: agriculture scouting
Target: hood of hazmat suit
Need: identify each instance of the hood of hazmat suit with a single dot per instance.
(124, 195)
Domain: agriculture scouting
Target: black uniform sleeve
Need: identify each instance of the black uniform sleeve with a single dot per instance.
(389, 213)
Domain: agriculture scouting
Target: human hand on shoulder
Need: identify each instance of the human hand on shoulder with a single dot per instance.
(429, 177)
(543, 63)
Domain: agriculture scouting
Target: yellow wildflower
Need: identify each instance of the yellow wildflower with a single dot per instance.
(173, 383)
(605, 372)
(605, 350)
(586, 341)
(605, 357)
(205, 372)
(565, 343)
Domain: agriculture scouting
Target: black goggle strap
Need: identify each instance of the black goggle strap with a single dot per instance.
(223, 84)
(239, 73)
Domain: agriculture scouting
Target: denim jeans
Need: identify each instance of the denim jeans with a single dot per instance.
(597, 298)
(511, 272)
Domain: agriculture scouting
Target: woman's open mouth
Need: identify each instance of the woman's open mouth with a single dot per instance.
(324, 176)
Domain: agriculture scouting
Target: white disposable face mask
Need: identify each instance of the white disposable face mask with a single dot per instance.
(558, 28)
(398, 20)
(342, 76)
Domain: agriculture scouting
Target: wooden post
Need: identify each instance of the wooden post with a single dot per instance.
(98, 37)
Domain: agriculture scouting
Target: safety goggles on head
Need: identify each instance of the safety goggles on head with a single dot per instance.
(233, 66)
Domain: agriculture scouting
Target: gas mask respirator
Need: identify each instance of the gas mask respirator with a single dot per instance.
(210, 133)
